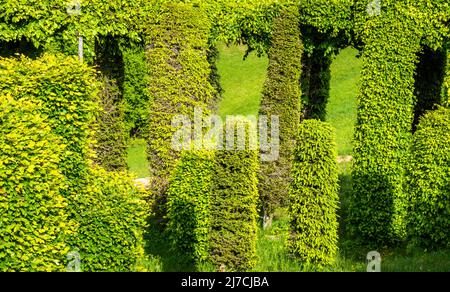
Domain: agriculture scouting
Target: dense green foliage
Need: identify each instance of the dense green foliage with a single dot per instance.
(314, 195)
(233, 208)
(68, 94)
(34, 224)
(111, 214)
(446, 84)
(110, 147)
(214, 77)
(110, 136)
(47, 23)
(334, 18)
(398, 40)
(69, 205)
(383, 130)
(281, 97)
(188, 205)
(428, 182)
(179, 75)
(135, 90)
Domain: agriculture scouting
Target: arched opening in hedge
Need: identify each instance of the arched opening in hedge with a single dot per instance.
(315, 82)
(341, 108)
(235, 71)
(429, 79)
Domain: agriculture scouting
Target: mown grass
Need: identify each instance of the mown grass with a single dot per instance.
(137, 159)
(341, 108)
(243, 81)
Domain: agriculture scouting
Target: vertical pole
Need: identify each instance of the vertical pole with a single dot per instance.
(80, 48)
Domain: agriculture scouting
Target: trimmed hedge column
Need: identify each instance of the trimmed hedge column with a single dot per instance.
(429, 181)
(314, 195)
(281, 97)
(188, 205)
(111, 148)
(383, 129)
(179, 81)
(233, 211)
(111, 143)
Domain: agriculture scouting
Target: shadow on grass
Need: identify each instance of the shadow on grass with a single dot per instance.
(164, 257)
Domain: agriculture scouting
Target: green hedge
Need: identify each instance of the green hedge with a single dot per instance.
(188, 205)
(314, 195)
(446, 85)
(68, 92)
(179, 75)
(111, 214)
(214, 77)
(233, 211)
(135, 92)
(281, 97)
(74, 206)
(383, 129)
(47, 24)
(428, 181)
(34, 223)
(111, 142)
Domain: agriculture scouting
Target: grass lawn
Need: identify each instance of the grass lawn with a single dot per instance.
(341, 108)
(137, 158)
(242, 82)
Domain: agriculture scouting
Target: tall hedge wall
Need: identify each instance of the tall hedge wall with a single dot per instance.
(314, 195)
(281, 97)
(111, 141)
(188, 206)
(178, 81)
(233, 208)
(383, 129)
(428, 182)
(111, 136)
(214, 76)
(34, 223)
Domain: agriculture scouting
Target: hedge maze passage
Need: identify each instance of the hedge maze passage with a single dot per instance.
(65, 125)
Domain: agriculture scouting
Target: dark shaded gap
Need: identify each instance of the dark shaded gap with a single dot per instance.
(22, 47)
(430, 73)
(315, 81)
